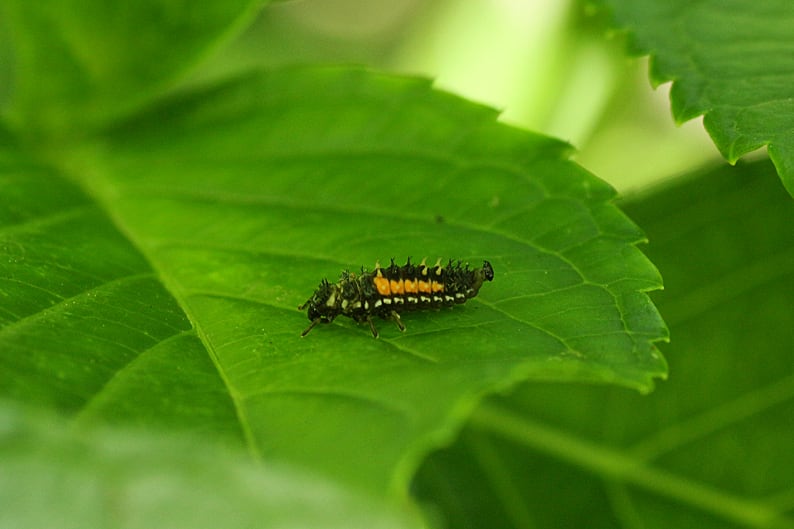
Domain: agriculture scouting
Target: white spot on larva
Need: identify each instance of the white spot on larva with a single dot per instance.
(344, 303)
(411, 299)
(387, 301)
(377, 304)
(436, 299)
(331, 300)
(398, 300)
(460, 295)
(357, 305)
(449, 298)
(424, 299)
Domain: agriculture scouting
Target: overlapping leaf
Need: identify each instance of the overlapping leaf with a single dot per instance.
(731, 61)
(709, 448)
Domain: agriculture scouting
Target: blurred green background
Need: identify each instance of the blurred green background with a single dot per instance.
(551, 66)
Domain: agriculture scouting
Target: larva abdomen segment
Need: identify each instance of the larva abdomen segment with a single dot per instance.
(416, 287)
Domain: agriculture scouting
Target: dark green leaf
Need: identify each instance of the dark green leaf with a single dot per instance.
(161, 288)
(69, 64)
(731, 61)
(709, 448)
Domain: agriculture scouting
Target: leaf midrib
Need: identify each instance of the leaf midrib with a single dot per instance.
(719, 417)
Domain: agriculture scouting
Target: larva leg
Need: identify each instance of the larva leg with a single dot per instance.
(310, 327)
(398, 321)
(372, 327)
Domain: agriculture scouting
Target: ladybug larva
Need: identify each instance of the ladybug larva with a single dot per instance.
(386, 292)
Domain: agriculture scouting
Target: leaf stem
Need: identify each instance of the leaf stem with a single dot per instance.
(613, 465)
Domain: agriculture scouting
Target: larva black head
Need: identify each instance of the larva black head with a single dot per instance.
(487, 271)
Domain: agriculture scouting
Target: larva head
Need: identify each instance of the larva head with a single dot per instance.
(487, 271)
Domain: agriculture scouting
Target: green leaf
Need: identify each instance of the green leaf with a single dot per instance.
(152, 278)
(54, 477)
(72, 63)
(709, 448)
(730, 61)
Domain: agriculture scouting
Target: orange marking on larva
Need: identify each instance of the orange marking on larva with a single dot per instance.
(410, 286)
(438, 287)
(382, 284)
(396, 286)
(424, 286)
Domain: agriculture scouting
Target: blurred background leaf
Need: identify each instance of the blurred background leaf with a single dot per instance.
(69, 66)
(124, 478)
(711, 447)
